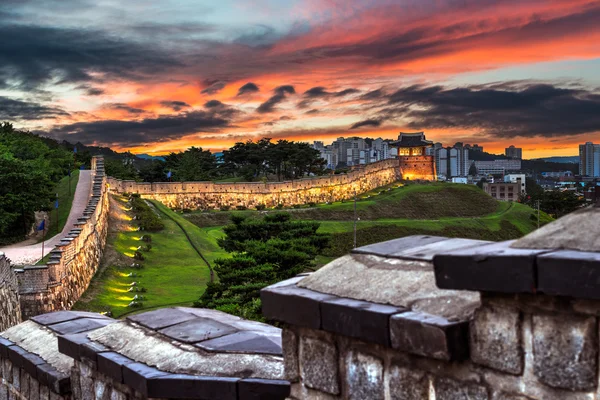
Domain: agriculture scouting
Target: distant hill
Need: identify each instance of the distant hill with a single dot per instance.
(149, 157)
(563, 160)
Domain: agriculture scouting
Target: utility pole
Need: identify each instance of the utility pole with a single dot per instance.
(355, 219)
(56, 207)
(538, 212)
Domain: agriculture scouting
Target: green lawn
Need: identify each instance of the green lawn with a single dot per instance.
(65, 201)
(435, 209)
(173, 273)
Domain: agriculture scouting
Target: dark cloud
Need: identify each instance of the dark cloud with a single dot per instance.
(346, 92)
(213, 104)
(278, 97)
(528, 110)
(289, 89)
(162, 128)
(175, 105)
(248, 88)
(315, 92)
(373, 94)
(35, 55)
(313, 111)
(123, 107)
(12, 110)
(367, 122)
(214, 87)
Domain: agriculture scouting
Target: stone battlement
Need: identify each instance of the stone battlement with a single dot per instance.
(10, 308)
(210, 195)
(58, 284)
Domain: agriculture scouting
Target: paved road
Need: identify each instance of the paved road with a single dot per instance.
(30, 254)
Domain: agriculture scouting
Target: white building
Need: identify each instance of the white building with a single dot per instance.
(516, 178)
(497, 167)
(589, 159)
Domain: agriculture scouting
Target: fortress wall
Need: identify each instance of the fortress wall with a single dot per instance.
(10, 309)
(210, 195)
(418, 167)
(59, 283)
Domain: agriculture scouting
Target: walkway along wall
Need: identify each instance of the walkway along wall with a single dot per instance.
(10, 309)
(209, 195)
(59, 283)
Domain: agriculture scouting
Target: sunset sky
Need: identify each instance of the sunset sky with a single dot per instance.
(160, 76)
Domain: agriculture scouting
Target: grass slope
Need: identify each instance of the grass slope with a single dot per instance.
(65, 201)
(173, 272)
(387, 213)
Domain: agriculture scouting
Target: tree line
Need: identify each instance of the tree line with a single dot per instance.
(30, 167)
(245, 161)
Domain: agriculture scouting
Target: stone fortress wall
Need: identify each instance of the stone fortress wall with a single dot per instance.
(418, 167)
(74, 261)
(59, 283)
(415, 318)
(209, 195)
(10, 308)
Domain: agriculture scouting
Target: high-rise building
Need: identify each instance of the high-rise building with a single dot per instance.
(589, 159)
(452, 162)
(477, 147)
(514, 152)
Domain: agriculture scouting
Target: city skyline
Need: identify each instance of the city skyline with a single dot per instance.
(160, 77)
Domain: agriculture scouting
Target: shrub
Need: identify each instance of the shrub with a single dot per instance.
(147, 247)
(224, 208)
(260, 207)
(241, 208)
(312, 204)
(147, 238)
(279, 206)
(297, 205)
(139, 256)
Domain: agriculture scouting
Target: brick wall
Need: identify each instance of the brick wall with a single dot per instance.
(10, 309)
(209, 195)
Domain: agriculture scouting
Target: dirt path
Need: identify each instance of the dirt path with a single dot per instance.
(21, 254)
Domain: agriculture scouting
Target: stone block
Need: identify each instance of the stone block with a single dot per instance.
(293, 305)
(570, 273)
(162, 318)
(34, 389)
(263, 389)
(358, 319)
(407, 383)
(187, 386)
(44, 393)
(429, 335)
(495, 267)
(197, 330)
(319, 365)
(450, 389)
(289, 342)
(565, 351)
(364, 376)
(495, 339)
(3, 391)
(101, 390)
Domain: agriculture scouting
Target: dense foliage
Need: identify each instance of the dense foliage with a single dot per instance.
(145, 216)
(29, 168)
(265, 251)
(284, 159)
(554, 202)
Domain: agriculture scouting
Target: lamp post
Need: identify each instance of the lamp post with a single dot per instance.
(354, 219)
